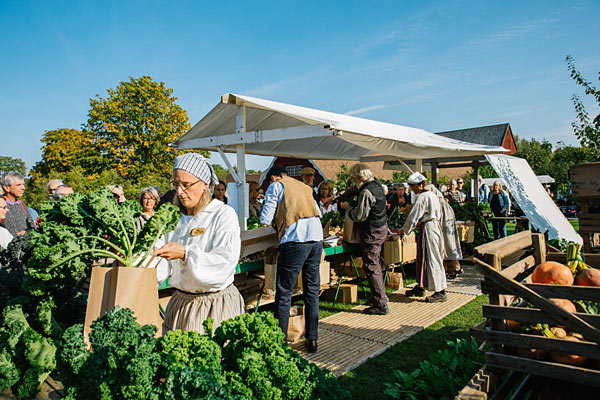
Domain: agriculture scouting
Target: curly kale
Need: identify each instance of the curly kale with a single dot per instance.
(180, 349)
(188, 383)
(259, 365)
(26, 357)
(123, 363)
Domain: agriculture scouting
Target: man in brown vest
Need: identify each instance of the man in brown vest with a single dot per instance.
(290, 202)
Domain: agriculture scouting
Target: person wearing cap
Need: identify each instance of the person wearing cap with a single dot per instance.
(201, 254)
(290, 203)
(453, 252)
(308, 177)
(426, 215)
(370, 215)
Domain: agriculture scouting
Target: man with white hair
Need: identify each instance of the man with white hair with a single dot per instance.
(18, 220)
(426, 215)
(52, 185)
(370, 214)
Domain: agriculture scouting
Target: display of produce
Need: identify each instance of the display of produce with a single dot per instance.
(245, 359)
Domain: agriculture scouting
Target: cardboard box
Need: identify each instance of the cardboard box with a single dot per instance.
(324, 274)
(348, 293)
(399, 250)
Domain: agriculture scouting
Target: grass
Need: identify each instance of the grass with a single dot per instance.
(367, 381)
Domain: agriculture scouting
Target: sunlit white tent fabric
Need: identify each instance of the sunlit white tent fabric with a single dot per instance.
(276, 129)
(531, 196)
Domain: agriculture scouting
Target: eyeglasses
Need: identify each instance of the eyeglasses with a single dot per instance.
(183, 185)
(459, 182)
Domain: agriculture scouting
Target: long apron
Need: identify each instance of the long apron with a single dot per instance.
(430, 256)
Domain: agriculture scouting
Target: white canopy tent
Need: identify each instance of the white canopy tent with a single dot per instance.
(248, 125)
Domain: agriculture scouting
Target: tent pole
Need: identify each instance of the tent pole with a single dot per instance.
(419, 165)
(434, 176)
(240, 123)
(475, 183)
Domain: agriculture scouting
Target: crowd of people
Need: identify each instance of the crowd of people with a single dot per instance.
(199, 257)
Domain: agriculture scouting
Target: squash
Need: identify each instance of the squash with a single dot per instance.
(571, 359)
(559, 332)
(564, 303)
(552, 272)
(588, 277)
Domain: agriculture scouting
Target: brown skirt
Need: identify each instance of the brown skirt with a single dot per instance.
(188, 311)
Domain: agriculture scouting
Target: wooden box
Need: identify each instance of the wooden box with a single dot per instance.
(399, 250)
(510, 349)
(466, 231)
(348, 293)
(585, 180)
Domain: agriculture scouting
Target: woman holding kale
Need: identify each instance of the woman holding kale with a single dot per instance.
(201, 253)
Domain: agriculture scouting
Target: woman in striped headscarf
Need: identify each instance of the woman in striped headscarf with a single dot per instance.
(201, 253)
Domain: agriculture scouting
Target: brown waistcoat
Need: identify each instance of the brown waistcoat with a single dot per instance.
(297, 203)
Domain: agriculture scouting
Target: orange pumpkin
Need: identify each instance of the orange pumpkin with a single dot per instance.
(552, 272)
(588, 277)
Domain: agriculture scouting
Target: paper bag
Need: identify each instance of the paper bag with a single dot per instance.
(133, 288)
(295, 324)
(350, 231)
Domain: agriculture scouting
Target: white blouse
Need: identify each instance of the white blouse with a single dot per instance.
(5, 237)
(212, 250)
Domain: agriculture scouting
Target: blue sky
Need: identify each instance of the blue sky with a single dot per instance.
(435, 65)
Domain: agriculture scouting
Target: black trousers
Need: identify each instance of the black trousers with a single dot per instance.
(293, 258)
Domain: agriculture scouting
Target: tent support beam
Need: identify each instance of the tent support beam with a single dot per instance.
(236, 178)
(271, 135)
(240, 129)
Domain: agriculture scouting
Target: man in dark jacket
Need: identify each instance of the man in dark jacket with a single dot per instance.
(370, 214)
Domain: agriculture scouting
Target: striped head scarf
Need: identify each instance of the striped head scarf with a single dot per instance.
(196, 164)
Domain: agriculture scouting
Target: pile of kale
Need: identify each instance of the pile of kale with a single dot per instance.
(246, 358)
(44, 272)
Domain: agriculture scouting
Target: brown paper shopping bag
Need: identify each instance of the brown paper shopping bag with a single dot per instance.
(133, 288)
(295, 324)
(350, 231)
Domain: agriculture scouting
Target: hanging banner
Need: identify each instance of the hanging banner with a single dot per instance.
(533, 199)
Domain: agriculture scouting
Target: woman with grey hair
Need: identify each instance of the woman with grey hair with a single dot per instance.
(201, 254)
(370, 215)
(149, 198)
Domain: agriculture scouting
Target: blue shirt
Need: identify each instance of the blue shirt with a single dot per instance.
(303, 230)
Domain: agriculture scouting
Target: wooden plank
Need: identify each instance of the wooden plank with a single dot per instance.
(257, 246)
(256, 235)
(539, 246)
(507, 245)
(551, 291)
(520, 267)
(521, 340)
(589, 223)
(572, 321)
(544, 368)
(531, 315)
(591, 259)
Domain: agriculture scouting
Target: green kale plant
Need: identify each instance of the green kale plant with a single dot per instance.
(259, 365)
(122, 365)
(26, 357)
(334, 218)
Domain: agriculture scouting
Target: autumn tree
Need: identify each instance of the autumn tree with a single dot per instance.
(66, 149)
(134, 126)
(588, 132)
(12, 164)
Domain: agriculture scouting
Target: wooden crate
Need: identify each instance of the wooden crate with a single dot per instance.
(585, 180)
(501, 286)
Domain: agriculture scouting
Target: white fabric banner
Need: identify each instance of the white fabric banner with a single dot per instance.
(533, 199)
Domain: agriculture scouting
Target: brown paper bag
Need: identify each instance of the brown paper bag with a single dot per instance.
(133, 288)
(350, 231)
(296, 324)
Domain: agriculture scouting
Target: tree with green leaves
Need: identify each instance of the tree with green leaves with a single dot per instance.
(135, 125)
(12, 164)
(588, 132)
